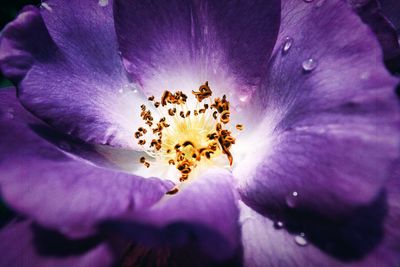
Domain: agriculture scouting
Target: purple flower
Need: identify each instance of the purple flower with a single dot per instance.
(314, 178)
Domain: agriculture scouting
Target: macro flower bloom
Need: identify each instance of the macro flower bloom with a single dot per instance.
(199, 133)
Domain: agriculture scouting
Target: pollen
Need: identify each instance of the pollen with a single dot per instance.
(186, 137)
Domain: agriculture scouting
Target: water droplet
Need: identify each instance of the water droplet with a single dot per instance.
(309, 64)
(301, 240)
(287, 44)
(292, 199)
(278, 225)
(308, 1)
(103, 3)
(46, 6)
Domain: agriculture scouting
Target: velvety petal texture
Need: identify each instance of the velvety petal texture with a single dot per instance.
(180, 44)
(57, 189)
(64, 60)
(331, 116)
(202, 215)
(24, 244)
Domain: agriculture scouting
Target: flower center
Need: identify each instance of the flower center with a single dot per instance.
(186, 137)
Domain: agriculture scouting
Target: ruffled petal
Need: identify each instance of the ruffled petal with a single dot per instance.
(57, 189)
(180, 44)
(370, 236)
(371, 13)
(24, 244)
(65, 63)
(331, 123)
(203, 214)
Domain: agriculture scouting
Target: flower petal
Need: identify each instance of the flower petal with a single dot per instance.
(25, 245)
(65, 63)
(57, 189)
(180, 44)
(371, 13)
(203, 213)
(329, 129)
(370, 236)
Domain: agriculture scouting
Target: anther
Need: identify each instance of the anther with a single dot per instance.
(187, 143)
(138, 135)
(239, 127)
(142, 142)
(225, 116)
(217, 140)
(203, 93)
(173, 191)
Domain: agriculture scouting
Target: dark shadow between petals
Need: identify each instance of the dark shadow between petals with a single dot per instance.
(177, 244)
(346, 239)
(52, 243)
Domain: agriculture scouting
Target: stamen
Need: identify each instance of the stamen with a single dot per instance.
(173, 191)
(186, 141)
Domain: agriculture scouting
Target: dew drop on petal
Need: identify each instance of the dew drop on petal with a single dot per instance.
(287, 44)
(301, 240)
(278, 225)
(308, 1)
(103, 3)
(309, 64)
(291, 199)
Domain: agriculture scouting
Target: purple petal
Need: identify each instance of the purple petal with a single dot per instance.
(57, 189)
(202, 214)
(371, 13)
(370, 237)
(181, 44)
(65, 63)
(24, 244)
(330, 127)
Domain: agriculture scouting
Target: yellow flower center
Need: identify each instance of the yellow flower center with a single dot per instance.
(184, 137)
